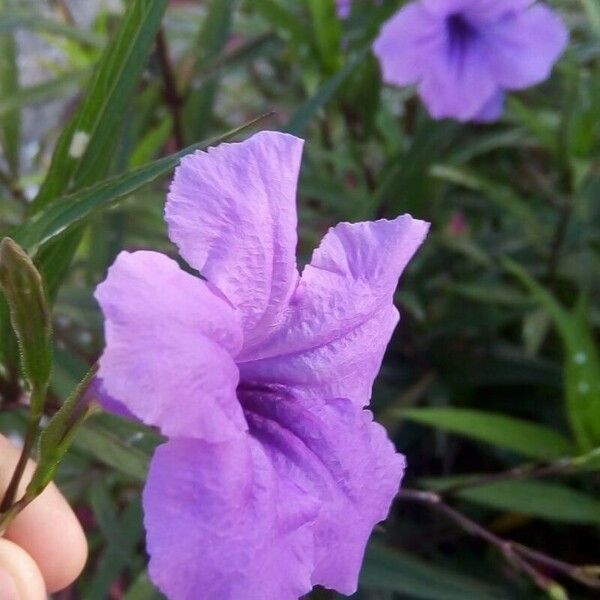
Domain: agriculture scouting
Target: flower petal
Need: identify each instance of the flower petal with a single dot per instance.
(220, 519)
(458, 82)
(333, 451)
(342, 315)
(492, 111)
(169, 346)
(480, 9)
(521, 50)
(260, 518)
(232, 213)
(344, 8)
(405, 43)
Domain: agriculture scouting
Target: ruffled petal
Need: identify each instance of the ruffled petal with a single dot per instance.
(290, 507)
(334, 452)
(406, 42)
(521, 50)
(169, 347)
(342, 315)
(475, 9)
(222, 524)
(232, 213)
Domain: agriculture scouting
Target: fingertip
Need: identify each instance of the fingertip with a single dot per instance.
(47, 529)
(20, 578)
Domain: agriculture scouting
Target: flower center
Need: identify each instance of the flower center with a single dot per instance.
(460, 34)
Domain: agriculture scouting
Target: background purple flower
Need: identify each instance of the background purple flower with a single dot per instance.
(273, 475)
(463, 54)
(344, 7)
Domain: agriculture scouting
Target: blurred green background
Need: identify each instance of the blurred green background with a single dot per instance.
(491, 385)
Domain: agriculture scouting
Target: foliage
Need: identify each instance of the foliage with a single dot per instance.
(491, 385)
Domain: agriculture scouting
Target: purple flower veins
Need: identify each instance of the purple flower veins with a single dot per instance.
(273, 474)
(464, 54)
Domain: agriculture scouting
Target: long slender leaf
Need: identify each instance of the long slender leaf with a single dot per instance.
(22, 19)
(524, 437)
(41, 92)
(549, 501)
(75, 208)
(10, 121)
(396, 571)
(582, 361)
(84, 150)
(306, 112)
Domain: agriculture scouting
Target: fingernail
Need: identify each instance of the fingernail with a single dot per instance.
(8, 587)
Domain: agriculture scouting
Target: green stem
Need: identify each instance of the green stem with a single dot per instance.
(28, 444)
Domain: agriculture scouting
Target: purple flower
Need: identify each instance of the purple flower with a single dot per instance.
(273, 474)
(463, 54)
(344, 7)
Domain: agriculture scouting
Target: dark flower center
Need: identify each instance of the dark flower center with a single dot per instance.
(461, 33)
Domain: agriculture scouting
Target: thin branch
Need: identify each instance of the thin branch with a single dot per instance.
(563, 466)
(170, 91)
(521, 557)
(14, 189)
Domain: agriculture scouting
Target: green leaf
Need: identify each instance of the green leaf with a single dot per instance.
(85, 148)
(29, 314)
(106, 447)
(396, 571)
(75, 208)
(582, 361)
(21, 19)
(327, 31)
(57, 437)
(123, 533)
(283, 20)
(41, 92)
(211, 43)
(10, 121)
(150, 145)
(307, 111)
(142, 589)
(592, 11)
(549, 501)
(523, 437)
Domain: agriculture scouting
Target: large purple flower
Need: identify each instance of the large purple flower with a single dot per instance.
(273, 474)
(463, 54)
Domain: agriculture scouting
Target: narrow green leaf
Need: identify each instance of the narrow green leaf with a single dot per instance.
(109, 449)
(123, 533)
(212, 40)
(29, 313)
(41, 92)
(56, 436)
(549, 501)
(10, 122)
(524, 437)
(592, 11)
(142, 589)
(283, 20)
(397, 571)
(307, 111)
(327, 32)
(75, 208)
(84, 150)
(22, 19)
(150, 145)
(582, 361)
